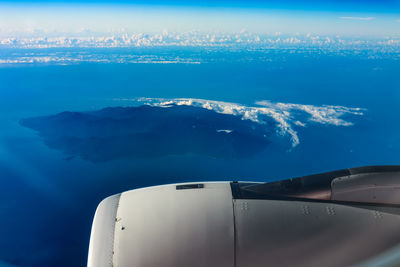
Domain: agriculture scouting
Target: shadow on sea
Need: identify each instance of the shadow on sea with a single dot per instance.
(148, 131)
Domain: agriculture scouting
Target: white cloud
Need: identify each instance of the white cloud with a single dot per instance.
(299, 123)
(185, 39)
(224, 131)
(320, 114)
(286, 115)
(358, 18)
(78, 58)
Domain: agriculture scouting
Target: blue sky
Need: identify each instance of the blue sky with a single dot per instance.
(364, 18)
(349, 5)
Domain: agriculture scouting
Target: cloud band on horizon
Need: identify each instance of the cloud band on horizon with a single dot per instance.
(358, 18)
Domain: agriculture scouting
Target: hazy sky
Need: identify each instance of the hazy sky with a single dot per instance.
(370, 18)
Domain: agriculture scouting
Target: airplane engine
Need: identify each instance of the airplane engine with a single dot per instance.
(343, 218)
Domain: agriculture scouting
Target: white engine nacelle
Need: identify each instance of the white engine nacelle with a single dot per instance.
(316, 220)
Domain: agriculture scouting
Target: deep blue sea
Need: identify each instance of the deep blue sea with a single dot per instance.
(48, 195)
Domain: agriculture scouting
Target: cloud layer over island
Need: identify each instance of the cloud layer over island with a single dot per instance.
(286, 115)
